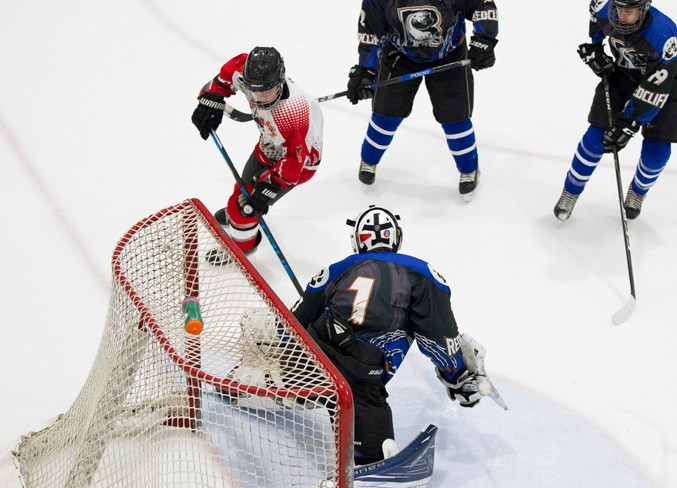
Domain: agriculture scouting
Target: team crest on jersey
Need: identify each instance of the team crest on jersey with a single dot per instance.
(422, 26)
(627, 57)
(436, 275)
(266, 126)
(670, 49)
(320, 278)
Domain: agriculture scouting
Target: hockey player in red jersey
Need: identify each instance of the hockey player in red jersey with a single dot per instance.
(289, 148)
(367, 310)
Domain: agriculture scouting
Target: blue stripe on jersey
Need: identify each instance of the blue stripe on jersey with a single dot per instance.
(660, 30)
(395, 346)
(418, 265)
(438, 355)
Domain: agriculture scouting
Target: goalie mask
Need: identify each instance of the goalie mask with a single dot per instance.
(263, 77)
(375, 229)
(631, 16)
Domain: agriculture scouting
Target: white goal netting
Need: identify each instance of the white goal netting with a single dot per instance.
(248, 402)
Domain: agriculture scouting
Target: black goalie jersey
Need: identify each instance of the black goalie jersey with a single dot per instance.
(391, 300)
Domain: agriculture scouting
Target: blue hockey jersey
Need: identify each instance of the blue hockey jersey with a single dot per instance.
(648, 57)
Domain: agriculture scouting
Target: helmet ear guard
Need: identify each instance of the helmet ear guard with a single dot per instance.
(375, 229)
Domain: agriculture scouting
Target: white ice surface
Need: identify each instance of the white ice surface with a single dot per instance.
(95, 134)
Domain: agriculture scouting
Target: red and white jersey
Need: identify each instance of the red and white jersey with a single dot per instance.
(291, 132)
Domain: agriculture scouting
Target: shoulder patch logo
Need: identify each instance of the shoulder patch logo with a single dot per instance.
(670, 49)
(597, 5)
(320, 278)
(436, 275)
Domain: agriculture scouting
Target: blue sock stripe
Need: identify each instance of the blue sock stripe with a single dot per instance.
(652, 161)
(460, 135)
(373, 125)
(374, 144)
(463, 151)
(380, 133)
(592, 162)
(462, 144)
(588, 154)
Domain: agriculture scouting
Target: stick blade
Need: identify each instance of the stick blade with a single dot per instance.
(624, 312)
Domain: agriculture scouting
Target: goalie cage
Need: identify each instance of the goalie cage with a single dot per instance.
(250, 402)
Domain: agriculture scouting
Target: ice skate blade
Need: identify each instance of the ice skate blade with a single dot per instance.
(468, 196)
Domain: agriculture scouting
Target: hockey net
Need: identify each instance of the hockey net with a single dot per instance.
(248, 402)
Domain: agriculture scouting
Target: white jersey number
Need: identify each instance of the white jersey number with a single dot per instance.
(362, 287)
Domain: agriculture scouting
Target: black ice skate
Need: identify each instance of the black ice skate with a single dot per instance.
(367, 173)
(565, 205)
(222, 218)
(467, 184)
(633, 204)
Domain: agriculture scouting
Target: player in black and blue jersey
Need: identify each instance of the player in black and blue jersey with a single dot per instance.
(641, 77)
(400, 37)
(366, 311)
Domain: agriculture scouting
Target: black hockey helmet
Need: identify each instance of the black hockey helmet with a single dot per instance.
(263, 72)
(628, 27)
(375, 229)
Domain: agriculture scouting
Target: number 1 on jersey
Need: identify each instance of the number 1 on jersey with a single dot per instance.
(362, 287)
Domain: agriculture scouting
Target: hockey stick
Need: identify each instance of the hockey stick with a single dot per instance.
(244, 117)
(400, 79)
(259, 217)
(624, 312)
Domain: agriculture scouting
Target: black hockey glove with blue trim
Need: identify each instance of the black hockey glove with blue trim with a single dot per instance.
(358, 79)
(620, 134)
(481, 52)
(594, 56)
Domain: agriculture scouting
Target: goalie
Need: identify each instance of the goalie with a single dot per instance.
(366, 311)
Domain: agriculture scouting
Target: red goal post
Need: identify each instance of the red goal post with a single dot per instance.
(249, 401)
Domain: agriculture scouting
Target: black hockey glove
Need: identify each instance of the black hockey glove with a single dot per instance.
(481, 52)
(620, 134)
(465, 390)
(390, 56)
(358, 79)
(594, 56)
(260, 198)
(208, 114)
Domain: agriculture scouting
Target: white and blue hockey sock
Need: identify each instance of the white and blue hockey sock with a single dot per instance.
(652, 160)
(588, 155)
(462, 144)
(380, 133)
